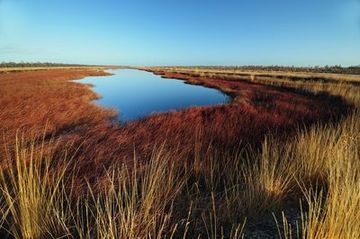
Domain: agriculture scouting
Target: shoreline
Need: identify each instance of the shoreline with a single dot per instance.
(242, 145)
(255, 112)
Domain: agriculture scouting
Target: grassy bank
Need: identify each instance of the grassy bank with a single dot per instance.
(32, 99)
(208, 172)
(216, 196)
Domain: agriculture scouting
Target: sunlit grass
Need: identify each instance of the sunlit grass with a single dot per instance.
(215, 194)
(32, 192)
(161, 199)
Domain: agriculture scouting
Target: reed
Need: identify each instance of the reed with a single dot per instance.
(32, 192)
(332, 211)
(193, 181)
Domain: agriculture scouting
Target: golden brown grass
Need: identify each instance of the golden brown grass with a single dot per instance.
(38, 201)
(323, 160)
(239, 73)
(161, 199)
(217, 192)
(332, 212)
(32, 192)
(210, 199)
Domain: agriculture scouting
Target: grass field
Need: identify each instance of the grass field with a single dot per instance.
(280, 160)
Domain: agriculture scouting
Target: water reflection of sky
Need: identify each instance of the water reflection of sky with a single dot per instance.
(136, 94)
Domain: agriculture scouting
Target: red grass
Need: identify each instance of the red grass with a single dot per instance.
(256, 111)
(31, 99)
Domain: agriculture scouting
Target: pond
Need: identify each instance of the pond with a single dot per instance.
(136, 94)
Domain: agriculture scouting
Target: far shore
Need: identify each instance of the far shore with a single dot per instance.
(17, 69)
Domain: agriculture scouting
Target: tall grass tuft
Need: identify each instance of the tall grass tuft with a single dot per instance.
(333, 210)
(32, 193)
(337, 215)
(138, 202)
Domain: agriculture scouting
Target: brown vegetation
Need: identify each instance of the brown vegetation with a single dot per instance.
(29, 100)
(201, 172)
(33, 99)
(256, 111)
(337, 69)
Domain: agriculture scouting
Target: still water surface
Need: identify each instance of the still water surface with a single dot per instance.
(136, 94)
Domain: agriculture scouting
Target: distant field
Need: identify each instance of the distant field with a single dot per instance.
(282, 75)
(281, 159)
(352, 70)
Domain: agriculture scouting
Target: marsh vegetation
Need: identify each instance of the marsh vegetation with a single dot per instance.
(281, 160)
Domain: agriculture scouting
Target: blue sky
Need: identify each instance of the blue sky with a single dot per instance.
(186, 32)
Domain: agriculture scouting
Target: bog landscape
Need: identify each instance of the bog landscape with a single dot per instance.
(175, 141)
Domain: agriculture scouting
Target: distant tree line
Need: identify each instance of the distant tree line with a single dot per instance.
(338, 69)
(35, 64)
